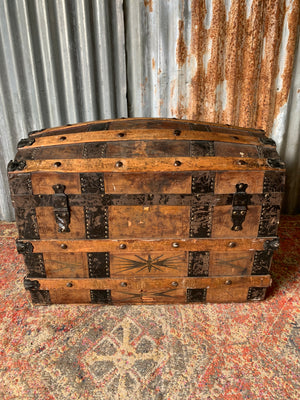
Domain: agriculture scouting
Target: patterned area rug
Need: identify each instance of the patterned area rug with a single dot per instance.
(227, 351)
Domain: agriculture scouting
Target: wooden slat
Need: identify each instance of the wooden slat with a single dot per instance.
(68, 265)
(157, 296)
(177, 123)
(148, 164)
(48, 227)
(136, 183)
(148, 264)
(227, 295)
(142, 134)
(157, 221)
(237, 263)
(226, 181)
(222, 222)
(153, 283)
(42, 183)
(133, 245)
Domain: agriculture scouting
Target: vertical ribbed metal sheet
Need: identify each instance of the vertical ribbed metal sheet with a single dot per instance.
(61, 62)
(226, 61)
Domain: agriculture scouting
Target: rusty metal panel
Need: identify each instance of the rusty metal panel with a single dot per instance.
(227, 61)
(61, 62)
(224, 61)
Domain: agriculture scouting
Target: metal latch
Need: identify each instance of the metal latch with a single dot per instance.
(61, 208)
(239, 206)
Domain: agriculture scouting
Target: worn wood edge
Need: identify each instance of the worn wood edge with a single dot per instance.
(133, 245)
(153, 164)
(128, 283)
(141, 135)
(179, 121)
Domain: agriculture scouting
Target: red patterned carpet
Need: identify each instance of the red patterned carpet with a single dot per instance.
(227, 351)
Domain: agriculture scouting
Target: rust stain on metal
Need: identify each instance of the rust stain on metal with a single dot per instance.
(235, 43)
(181, 49)
(199, 37)
(249, 64)
(153, 64)
(286, 76)
(181, 109)
(203, 102)
(273, 25)
(148, 3)
(236, 53)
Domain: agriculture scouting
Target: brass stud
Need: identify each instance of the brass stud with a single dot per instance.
(62, 138)
(175, 244)
(69, 284)
(241, 162)
(232, 244)
(121, 134)
(119, 164)
(228, 282)
(63, 246)
(175, 284)
(123, 284)
(177, 163)
(122, 246)
(57, 164)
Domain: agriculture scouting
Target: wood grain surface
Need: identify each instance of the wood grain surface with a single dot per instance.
(155, 283)
(142, 134)
(148, 164)
(133, 245)
(149, 182)
(148, 221)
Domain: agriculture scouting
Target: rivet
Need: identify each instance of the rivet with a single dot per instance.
(177, 132)
(122, 246)
(175, 244)
(177, 163)
(62, 138)
(119, 164)
(237, 228)
(228, 282)
(175, 284)
(69, 284)
(63, 246)
(232, 244)
(241, 186)
(121, 134)
(241, 162)
(57, 164)
(123, 284)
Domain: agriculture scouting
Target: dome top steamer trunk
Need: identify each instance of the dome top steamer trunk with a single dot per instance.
(147, 211)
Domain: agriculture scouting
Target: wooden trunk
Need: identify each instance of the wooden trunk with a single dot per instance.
(147, 211)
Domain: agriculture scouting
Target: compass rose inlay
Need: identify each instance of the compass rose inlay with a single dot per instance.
(149, 263)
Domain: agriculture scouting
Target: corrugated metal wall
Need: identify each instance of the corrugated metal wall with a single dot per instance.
(228, 61)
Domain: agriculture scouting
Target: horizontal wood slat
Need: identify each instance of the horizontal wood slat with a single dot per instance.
(153, 283)
(106, 245)
(145, 123)
(148, 164)
(141, 134)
